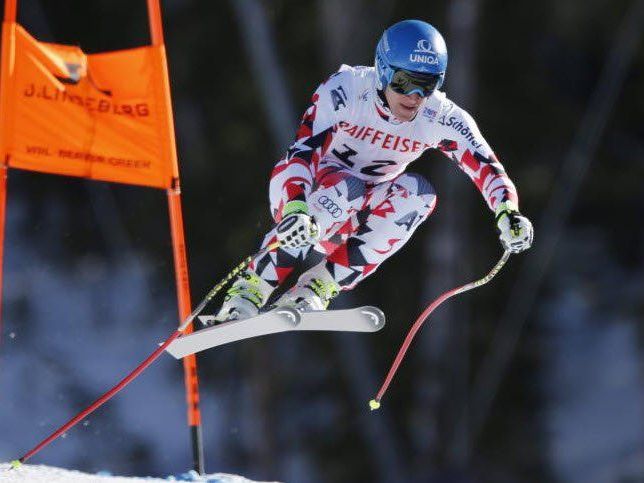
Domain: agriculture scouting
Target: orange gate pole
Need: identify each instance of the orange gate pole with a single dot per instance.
(10, 8)
(180, 264)
(9, 18)
(3, 205)
(189, 362)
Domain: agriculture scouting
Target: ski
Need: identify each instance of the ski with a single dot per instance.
(283, 319)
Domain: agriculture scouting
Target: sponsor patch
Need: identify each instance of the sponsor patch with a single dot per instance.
(429, 114)
(460, 127)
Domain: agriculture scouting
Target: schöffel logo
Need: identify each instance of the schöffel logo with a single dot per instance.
(329, 205)
(462, 128)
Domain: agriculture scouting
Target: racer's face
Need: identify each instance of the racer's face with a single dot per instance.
(404, 107)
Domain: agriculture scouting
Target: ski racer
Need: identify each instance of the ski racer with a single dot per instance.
(342, 190)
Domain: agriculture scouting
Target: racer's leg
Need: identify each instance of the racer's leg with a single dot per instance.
(393, 212)
(336, 198)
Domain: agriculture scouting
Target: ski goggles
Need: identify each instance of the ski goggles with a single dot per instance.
(408, 83)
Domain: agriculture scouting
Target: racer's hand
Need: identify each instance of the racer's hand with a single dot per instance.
(297, 228)
(515, 230)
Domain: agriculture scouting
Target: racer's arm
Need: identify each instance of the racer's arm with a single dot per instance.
(464, 143)
(312, 140)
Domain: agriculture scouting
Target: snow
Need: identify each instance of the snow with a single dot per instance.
(49, 474)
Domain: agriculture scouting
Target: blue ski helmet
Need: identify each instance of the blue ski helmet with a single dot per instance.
(412, 46)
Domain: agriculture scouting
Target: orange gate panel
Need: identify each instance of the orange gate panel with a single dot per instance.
(99, 116)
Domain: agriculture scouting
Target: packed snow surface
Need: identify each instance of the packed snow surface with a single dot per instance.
(48, 474)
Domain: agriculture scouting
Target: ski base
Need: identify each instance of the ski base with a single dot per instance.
(282, 319)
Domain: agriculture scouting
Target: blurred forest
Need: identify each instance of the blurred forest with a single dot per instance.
(538, 376)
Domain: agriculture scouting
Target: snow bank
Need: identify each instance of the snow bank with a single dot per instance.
(48, 474)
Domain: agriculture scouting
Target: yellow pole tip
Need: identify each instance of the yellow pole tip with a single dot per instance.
(373, 405)
(15, 464)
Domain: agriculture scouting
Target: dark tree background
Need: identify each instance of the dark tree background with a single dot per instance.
(535, 377)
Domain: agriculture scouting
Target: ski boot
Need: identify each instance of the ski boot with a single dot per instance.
(313, 291)
(244, 298)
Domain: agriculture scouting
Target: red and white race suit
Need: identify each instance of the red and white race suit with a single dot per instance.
(348, 163)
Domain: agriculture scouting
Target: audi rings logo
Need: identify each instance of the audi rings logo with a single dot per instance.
(329, 205)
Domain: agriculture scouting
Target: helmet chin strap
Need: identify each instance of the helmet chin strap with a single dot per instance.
(383, 99)
(382, 105)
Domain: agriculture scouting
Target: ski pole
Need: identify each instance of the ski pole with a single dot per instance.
(232, 274)
(150, 359)
(375, 403)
